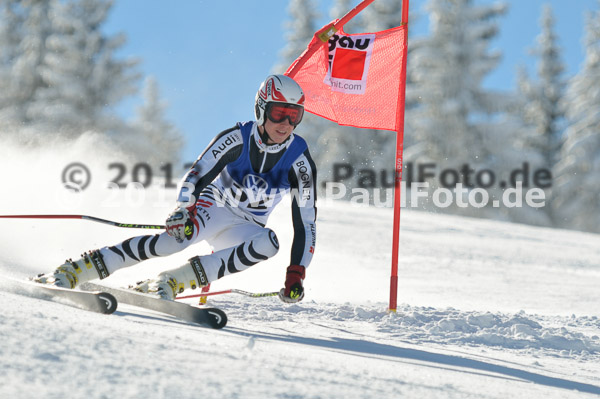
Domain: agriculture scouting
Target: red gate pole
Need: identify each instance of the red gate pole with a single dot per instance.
(398, 169)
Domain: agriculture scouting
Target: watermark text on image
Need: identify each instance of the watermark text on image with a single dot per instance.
(469, 188)
(466, 175)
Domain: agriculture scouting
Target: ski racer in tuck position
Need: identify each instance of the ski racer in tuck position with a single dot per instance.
(225, 199)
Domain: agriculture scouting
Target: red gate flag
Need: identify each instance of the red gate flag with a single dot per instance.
(360, 80)
(355, 79)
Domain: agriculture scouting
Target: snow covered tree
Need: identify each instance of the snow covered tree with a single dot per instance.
(457, 122)
(161, 141)
(577, 174)
(58, 70)
(340, 8)
(61, 78)
(451, 64)
(26, 53)
(301, 28)
(542, 99)
(10, 31)
(10, 39)
(78, 95)
(382, 15)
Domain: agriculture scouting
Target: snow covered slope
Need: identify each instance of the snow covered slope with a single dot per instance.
(490, 310)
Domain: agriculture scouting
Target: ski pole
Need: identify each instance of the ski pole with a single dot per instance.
(86, 217)
(231, 291)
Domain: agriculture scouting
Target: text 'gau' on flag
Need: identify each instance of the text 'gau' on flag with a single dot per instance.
(355, 79)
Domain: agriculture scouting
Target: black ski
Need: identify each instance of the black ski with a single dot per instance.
(208, 317)
(95, 301)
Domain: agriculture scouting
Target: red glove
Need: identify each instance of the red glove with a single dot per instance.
(293, 291)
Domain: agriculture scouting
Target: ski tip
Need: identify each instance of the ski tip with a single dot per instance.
(218, 318)
(109, 301)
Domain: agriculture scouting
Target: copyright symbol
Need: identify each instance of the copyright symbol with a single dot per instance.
(76, 176)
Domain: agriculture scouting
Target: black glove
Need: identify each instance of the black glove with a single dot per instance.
(293, 291)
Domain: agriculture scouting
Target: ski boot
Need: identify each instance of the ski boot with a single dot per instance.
(72, 273)
(172, 282)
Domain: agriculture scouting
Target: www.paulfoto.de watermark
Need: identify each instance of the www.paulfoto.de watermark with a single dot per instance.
(418, 193)
(420, 184)
(466, 175)
(424, 183)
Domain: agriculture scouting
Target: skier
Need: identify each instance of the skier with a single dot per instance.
(225, 199)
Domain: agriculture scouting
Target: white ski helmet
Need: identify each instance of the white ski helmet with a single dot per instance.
(278, 89)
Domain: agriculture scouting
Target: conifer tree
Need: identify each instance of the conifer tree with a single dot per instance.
(11, 30)
(27, 53)
(161, 140)
(300, 30)
(81, 94)
(451, 64)
(542, 100)
(577, 174)
(61, 78)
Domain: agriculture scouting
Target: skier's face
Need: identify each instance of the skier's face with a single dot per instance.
(278, 132)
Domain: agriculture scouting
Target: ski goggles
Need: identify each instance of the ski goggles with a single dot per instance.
(279, 112)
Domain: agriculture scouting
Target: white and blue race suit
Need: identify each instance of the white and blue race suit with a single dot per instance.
(235, 184)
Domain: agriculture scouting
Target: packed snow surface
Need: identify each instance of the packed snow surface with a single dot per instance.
(486, 310)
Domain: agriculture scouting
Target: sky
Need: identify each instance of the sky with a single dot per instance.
(209, 57)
